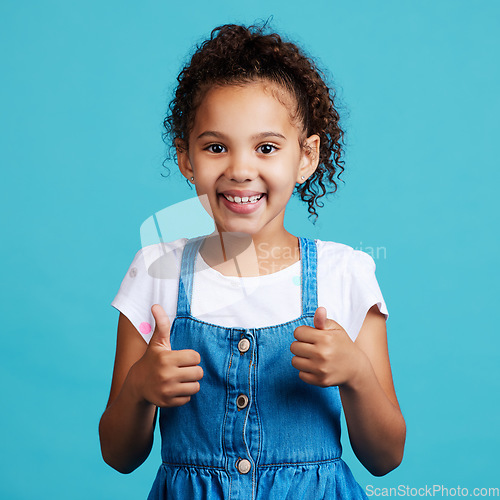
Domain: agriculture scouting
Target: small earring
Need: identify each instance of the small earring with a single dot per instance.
(302, 177)
(192, 178)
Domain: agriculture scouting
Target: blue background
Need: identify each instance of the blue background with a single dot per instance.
(84, 90)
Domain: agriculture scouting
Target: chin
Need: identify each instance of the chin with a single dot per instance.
(248, 229)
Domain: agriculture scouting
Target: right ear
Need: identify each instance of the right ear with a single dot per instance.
(183, 159)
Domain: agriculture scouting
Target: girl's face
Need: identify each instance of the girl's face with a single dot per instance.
(245, 156)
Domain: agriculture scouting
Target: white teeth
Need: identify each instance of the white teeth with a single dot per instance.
(244, 199)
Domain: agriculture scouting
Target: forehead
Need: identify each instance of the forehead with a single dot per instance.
(250, 107)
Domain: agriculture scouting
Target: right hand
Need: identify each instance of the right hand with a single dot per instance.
(165, 377)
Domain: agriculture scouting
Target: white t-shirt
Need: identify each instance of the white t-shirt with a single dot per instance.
(347, 288)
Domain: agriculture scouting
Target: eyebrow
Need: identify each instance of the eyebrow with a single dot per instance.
(262, 135)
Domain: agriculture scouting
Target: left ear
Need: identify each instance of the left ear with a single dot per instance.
(310, 158)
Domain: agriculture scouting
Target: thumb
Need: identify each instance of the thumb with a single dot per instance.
(161, 335)
(321, 322)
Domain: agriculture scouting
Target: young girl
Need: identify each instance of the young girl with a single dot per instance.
(272, 334)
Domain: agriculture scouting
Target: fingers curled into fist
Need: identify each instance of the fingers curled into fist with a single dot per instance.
(324, 354)
(166, 377)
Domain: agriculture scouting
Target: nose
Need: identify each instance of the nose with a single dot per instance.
(241, 168)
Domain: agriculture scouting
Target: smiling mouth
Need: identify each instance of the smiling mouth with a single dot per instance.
(245, 200)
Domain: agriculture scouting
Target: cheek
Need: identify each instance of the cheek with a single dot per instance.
(203, 178)
(284, 178)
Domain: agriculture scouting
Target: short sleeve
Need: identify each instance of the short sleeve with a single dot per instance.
(362, 291)
(137, 295)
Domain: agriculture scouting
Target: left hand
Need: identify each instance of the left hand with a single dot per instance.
(325, 355)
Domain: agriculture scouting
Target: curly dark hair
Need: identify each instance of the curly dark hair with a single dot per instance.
(236, 54)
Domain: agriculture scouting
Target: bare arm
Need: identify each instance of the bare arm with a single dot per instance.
(377, 430)
(326, 356)
(127, 425)
(145, 376)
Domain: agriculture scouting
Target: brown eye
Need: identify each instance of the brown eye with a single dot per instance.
(216, 148)
(267, 148)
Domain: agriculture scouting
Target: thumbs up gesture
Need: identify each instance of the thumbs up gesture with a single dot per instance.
(324, 355)
(166, 377)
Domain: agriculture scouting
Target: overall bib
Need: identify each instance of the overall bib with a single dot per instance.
(255, 430)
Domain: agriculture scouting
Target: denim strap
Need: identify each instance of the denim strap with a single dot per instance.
(308, 282)
(186, 276)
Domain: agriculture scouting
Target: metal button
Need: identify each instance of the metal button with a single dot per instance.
(241, 401)
(243, 466)
(243, 345)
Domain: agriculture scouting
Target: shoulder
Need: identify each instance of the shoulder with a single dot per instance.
(360, 261)
(158, 249)
(332, 248)
(161, 260)
(341, 259)
(152, 278)
(334, 255)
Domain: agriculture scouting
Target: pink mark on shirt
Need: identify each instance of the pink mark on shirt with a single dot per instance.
(144, 328)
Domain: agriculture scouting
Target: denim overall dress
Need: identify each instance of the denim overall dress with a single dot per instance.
(255, 430)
